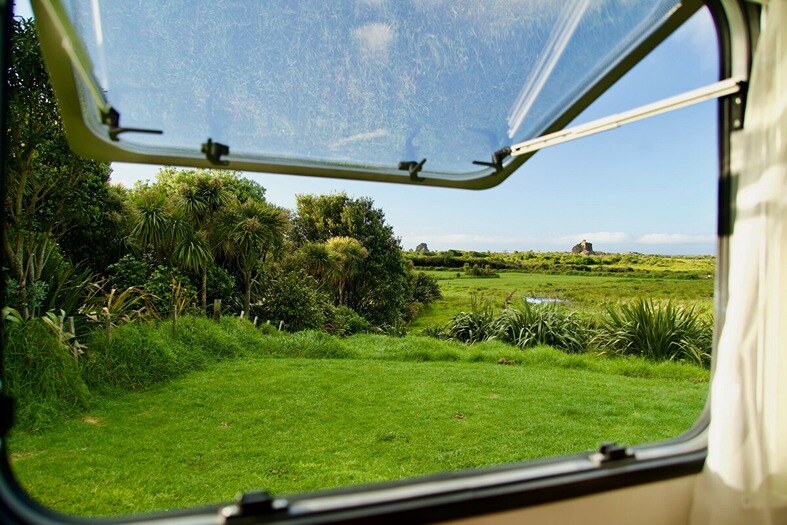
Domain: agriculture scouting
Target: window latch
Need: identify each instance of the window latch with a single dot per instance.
(251, 506)
(214, 151)
(612, 452)
(497, 159)
(413, 167)
(111, 119)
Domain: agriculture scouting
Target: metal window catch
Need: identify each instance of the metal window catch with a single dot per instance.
(111, 119)
(497, 159)
(611, 451)
(413, 167)
(251, 506)
(214, 151)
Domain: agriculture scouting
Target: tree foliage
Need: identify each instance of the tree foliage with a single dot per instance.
(51, 192)
(378, 289)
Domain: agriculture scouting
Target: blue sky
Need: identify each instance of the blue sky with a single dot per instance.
(648, 187)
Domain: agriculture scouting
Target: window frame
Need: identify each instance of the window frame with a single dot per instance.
(475, 492)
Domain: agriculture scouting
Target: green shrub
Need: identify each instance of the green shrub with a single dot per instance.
(131, 271)
(343, 321)
(657, 331)
(221, 285)
(41, 374)
(425, 288)
(292, 298)
(476, 270)
(167, 287)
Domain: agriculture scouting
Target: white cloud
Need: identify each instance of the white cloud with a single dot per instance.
(675, 238)
(467, 238)
(595, 238)
(374, 39)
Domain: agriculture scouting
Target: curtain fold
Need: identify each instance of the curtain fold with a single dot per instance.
(745, 475)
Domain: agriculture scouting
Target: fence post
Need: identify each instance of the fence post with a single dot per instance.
(216, 309)
(71, 325)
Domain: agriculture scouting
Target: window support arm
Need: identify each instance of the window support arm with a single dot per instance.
(719, 89)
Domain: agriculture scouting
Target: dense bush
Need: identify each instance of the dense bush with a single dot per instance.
(343, 321)
(291, 298)
(221, 285)
(379, 289)
(167, 288)
(131, 271)
(475, 270)
(425, 288)
(657, 331)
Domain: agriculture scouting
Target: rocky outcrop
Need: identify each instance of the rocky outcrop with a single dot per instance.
(584, 248)
(422, 248)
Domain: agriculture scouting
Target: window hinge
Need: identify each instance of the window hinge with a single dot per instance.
(251, 506)
(612, 452)
(738, 107)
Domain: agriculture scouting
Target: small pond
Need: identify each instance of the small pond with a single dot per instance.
(545, 300)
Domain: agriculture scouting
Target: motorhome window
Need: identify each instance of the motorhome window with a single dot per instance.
(187, 335)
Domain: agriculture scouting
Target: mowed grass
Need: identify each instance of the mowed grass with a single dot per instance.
(384, 412)
(585, 293)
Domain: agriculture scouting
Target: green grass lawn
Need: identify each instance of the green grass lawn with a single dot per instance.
(586, 293)
(386, 411)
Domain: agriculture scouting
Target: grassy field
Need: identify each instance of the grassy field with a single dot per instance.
(391, 408)
(635, 264)
(587, 293)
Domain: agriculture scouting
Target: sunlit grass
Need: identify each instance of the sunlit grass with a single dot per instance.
(296, 424)
(589, 294)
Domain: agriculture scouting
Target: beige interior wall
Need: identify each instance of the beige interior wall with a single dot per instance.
(662, 503)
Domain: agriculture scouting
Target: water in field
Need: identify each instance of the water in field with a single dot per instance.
(545, 300)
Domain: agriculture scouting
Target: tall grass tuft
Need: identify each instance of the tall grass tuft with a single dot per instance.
(526, 325)
(657, 331)
(41, 374)
(474, 326)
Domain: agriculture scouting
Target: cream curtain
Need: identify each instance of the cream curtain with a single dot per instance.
(745, 475)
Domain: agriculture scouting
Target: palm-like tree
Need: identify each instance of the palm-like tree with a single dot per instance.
(151, 226)
(249, 232)
(316, 260)
(346, 254)
(201, 202)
